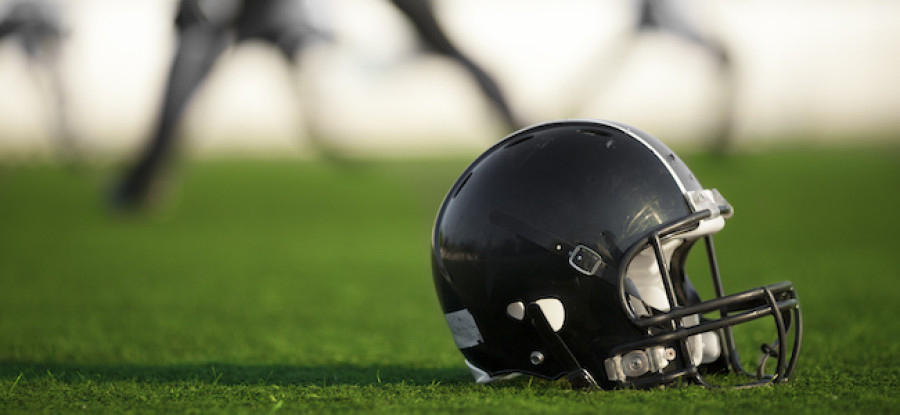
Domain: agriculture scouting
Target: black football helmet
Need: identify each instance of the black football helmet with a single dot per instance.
(561, 251)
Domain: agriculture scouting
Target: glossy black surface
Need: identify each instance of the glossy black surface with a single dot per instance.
(576, 180)
(507, 227)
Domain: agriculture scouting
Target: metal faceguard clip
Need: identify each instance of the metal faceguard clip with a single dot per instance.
(638, 362)
(711, 200)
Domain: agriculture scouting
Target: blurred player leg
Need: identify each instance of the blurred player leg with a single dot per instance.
(199, 46)
(292, 26)
(668, 16)
(37, 26)
(421, 15)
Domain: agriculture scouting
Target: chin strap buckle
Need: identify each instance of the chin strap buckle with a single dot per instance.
(585, 260)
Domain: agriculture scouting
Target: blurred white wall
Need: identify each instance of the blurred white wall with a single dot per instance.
(804, 69)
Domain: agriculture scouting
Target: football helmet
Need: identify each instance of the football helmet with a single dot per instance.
(561, 251)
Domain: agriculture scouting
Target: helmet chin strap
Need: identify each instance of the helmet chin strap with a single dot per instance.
(577, 375)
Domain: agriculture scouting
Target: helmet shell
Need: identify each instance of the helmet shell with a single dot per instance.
(598, 184)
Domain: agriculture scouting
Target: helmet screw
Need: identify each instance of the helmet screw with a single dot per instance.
(670, 353)
(536, 358)
(635, 363)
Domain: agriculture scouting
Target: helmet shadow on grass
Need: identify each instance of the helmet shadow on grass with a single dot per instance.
(231, 374)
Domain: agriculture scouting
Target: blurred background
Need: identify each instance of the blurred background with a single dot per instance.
(798, 71)
(291, 249)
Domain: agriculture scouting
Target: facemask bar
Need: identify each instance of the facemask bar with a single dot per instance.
(794, 317)
(778, 300)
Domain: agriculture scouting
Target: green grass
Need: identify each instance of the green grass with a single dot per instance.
(291, 286)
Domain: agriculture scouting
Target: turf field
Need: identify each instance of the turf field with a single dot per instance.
(296, 286)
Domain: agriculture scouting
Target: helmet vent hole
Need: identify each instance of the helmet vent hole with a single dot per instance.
(595, 132)
(518, 141)
(461, 184)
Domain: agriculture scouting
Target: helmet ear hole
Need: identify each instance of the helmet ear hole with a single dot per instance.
(554, 312)
(552, 308)
(516, 310)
